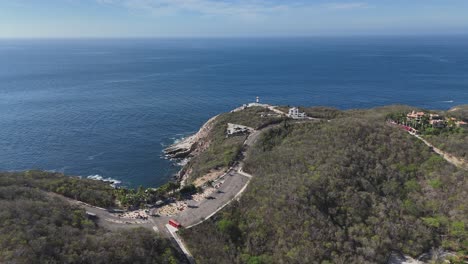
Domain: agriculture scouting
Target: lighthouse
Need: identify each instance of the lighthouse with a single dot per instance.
(257, 100)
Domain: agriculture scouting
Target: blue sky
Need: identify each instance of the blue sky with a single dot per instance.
(229, 18)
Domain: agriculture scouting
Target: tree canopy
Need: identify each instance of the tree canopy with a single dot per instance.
(351, 190)
(36, 227)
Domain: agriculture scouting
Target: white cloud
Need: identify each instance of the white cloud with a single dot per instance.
(241, 8)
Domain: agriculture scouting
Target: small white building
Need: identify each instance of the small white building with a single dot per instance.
(295, 114)
(233, 129)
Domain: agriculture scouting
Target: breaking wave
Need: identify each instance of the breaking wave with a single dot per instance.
(98, 177)
(176, 139)
(183, 162)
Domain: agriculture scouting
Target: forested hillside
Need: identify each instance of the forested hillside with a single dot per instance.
(351, 190)
(38, 228)
(455, 140)
(97, 193)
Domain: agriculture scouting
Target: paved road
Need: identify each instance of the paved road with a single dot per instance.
(173, 231)
(233, 184)
(105, 219)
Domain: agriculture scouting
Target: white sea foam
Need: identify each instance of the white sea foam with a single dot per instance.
(183, 162)
(178, 140)
(180, 137)
(98, 177)
(449, 101)
(94, 156)
(61, 170)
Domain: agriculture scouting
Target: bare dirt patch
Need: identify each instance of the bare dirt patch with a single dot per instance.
(211, 176)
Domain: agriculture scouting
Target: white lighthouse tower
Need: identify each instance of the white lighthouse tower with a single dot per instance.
(257, 100)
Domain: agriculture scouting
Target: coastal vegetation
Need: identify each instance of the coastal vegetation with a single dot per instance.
(94, 192)
(97, 193)
(36, 227)
(323, 112)
(142, 197)
(352, 190)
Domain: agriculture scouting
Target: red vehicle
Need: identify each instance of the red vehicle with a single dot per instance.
(407, 128)
(174, 223)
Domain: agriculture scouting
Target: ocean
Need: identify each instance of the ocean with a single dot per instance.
(107, 107)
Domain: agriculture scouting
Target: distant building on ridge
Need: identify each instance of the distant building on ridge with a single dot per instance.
(416, 116)
(295, 114)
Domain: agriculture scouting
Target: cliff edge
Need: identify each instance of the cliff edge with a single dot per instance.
(193, 144)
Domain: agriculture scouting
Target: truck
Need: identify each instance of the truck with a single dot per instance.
(174, 223)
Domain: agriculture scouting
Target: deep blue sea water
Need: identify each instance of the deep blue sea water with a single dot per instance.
(108, 107)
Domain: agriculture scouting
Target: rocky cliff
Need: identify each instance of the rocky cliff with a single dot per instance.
(191, 145)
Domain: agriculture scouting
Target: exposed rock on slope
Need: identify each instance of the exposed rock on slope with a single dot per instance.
(193, 144)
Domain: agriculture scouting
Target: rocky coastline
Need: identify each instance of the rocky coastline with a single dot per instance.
(190, 146)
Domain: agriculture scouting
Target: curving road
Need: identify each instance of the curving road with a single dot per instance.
(232, 184)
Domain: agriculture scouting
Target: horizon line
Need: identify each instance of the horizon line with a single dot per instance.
(232, 37)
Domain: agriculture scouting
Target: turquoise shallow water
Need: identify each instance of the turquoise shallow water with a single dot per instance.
(108, 107)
